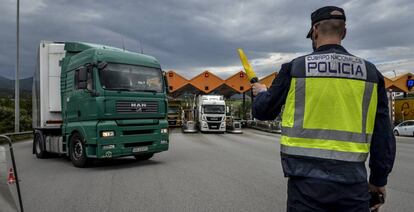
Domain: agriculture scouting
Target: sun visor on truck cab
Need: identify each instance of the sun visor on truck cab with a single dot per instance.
(81, 46)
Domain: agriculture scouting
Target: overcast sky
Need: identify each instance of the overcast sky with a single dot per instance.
(190, 36)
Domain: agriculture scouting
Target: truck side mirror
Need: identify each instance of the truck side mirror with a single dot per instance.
(167, 88)
(82, 77)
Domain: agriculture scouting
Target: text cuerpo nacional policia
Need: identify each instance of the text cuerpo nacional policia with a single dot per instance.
(333, 63)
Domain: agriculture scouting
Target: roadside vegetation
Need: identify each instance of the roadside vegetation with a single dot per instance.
(7, 113)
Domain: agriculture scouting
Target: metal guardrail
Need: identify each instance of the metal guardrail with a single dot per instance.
(18, 133)
(13, 135)
(7, 138)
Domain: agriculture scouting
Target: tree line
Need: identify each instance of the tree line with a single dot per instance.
(7, 114)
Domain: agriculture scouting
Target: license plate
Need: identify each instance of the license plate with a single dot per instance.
(140, 149)
(214, 127)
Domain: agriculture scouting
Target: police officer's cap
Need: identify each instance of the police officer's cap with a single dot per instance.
(325, 13)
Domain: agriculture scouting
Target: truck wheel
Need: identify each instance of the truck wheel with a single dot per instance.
(144, 156)
(78, 151)
(38, 146)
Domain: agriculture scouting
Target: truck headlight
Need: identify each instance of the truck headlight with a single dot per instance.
(107, 133)
(165, 130)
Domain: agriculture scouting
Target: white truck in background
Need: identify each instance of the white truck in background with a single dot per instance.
(211, 113)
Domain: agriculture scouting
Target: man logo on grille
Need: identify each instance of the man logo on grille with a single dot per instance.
(138, 107)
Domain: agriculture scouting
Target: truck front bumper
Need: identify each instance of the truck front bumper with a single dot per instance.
(174, 123)
(213, 126)
(130, 138)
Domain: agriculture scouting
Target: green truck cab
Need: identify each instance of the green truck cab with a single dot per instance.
(113, 103)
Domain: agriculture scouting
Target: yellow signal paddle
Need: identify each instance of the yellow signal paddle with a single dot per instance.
(247, 67)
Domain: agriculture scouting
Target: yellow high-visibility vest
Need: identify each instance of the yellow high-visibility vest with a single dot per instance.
(330, 108)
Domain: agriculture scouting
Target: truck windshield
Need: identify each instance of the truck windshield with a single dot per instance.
(214, 109)
(131, 78)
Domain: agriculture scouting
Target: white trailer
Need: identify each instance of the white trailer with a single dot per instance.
(211, 113)
(46, 106)
(46, 86)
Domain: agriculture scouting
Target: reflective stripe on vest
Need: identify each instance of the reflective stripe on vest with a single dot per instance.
(329, 116)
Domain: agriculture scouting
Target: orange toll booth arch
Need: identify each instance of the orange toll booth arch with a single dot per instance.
(401, 107)
(206, 82)
(267, 80)
(209, 83)
(402, 83)
(175, 81)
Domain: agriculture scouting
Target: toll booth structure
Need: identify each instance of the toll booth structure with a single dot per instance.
(238, 84)
(401, 104)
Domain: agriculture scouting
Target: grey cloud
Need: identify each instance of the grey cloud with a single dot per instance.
(188, 35)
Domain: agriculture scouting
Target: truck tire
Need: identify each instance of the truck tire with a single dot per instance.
(38, 146)
(144, 156)
(78, 151)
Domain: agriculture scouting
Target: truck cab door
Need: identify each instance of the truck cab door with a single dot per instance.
(71, 96)
(86, 107)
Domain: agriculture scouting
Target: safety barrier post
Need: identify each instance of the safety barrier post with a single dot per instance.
(15, 170)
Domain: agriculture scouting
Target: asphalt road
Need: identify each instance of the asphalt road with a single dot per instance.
(200, 172)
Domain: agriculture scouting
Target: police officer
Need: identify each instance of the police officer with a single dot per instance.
(335, 113)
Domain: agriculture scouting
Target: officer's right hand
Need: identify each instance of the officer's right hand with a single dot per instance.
(380, 190)
(257, 88)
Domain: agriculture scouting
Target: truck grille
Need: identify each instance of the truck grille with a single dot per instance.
(213, 118)
(136, 107)
(213, 126)
(137, 132)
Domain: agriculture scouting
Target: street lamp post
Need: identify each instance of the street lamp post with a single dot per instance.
(16, 82)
